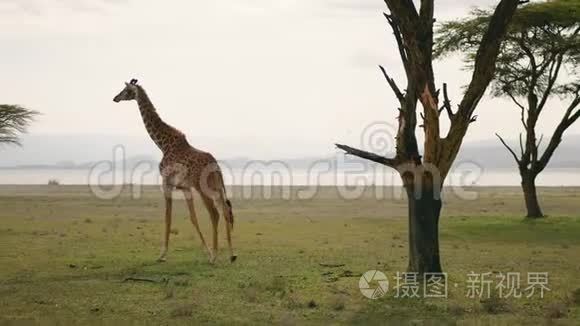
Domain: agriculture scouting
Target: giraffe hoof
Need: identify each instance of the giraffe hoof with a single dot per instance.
(233, 258)
(161, 259)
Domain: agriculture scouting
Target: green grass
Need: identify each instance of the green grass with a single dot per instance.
(64, 256)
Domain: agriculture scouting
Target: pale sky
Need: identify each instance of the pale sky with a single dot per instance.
(296, 74)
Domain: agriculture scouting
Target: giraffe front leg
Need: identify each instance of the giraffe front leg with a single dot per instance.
(167, 193)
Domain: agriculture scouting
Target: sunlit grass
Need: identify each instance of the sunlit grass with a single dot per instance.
(64, 256)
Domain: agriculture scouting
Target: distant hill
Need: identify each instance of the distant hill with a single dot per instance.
(492, 155)
(84, 151)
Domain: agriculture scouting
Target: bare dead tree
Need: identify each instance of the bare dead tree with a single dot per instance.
(423, 174)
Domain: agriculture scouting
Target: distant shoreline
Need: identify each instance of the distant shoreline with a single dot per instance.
(280, 175)
(23, 186)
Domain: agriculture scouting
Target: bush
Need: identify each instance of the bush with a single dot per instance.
(53, 182)
(556, 311)
(576, 297)
(495, 305)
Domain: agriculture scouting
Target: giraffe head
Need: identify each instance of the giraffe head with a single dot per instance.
(128, 93)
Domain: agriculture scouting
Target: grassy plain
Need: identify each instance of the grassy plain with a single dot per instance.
(68, 257)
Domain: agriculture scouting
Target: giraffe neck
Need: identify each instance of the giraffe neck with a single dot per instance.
(161, 133)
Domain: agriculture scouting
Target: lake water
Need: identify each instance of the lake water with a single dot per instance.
(471, 176)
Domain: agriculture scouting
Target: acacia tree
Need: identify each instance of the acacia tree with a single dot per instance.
(542, 42)
(14, 121)
(423, 173)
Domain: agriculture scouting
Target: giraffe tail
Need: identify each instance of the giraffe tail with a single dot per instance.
(227, 205)
(229, 214)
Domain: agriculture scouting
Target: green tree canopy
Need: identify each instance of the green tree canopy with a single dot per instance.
(543, 38)
(539, 58)
(14, 120)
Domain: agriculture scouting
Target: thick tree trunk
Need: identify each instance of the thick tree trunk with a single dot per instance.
(531, 195)
(424, 211)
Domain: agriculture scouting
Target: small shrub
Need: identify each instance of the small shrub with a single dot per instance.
(53, 182)
(455, 310)
(312, 304)
(277, 286)
(556, 311)
(288, 320)
(169, 292)
(293, 302)
(495, 305)
(338, 304)
(250, 294)
(183, 282)
(182, 311)
(576, 297)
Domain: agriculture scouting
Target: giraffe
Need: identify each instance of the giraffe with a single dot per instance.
(184, 168)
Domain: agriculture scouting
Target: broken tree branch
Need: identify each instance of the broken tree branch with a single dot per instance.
(331, 265)
(431, 125)
(540, 141)
(390, 162)
(509, 148)
(522, 108)
(446, 102)
(145, 279)
(556, 139)
(521, 145)
(400, 44)
(393, 85)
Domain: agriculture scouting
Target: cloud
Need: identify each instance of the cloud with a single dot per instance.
(443, 8)
(371, 60)
(40, 7)
(361, 5)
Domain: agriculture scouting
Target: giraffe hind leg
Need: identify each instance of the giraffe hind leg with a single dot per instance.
(214, 216)
(188, 194)
(226, 207)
